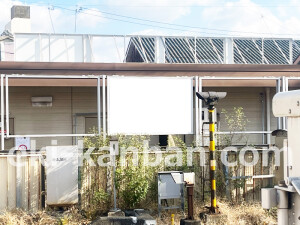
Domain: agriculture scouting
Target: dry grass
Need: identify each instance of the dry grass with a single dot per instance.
(242, 214)
(19, 217)
(246, 213)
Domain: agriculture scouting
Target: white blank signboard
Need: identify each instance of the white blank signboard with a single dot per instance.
(62, 175)
(150, 105)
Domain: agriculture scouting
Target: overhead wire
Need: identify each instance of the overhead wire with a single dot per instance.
(179, 25)
(138, 23)
(187, 28)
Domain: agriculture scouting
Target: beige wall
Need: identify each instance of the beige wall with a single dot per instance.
(67, 101)
(250, 100)
(57, 119)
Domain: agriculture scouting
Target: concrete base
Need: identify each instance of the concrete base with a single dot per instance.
(136, 217)
(190, 222)
(118, 213)
(213, 218)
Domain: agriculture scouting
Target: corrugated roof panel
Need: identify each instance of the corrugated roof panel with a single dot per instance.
(250, 52)
(206, 52)
(179, 51)
(145, 47)
(273, 53)
(149, 46)
(219, 44)
(284, 46)
(237, 57)
(211, 50)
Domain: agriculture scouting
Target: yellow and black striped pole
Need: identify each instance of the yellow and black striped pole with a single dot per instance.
(211, 98)
(212, 158)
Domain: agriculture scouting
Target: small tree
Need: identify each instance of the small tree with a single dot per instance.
(235, 121)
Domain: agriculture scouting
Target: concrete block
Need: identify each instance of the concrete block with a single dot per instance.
(190, 222)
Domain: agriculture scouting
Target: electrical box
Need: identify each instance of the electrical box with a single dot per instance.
(62, 175)
(170, 186)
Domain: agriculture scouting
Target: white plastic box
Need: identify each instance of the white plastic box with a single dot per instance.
(62, 175)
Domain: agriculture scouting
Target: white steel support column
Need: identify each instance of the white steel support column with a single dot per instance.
(200, 108)
(196, 110)
(286, 89)
(268, 101)
(2, 112)
(283, 90)
(7, 106)
(160, 53)
(263, 113)
(98, 106)
(104, 104)
(291, 51)
(228, 51)
(278, 85)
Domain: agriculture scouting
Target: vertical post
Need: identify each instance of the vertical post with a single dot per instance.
(190, 193)
(196, 111)
(212, 148)
(19, 179)
(2, 113)
(262, 95)
(104, 105)
(160, 53)
(80, 150)
(268, 100)
(114, 150)
(291, 51)
(43, 186)
(7, 106)
(228, 51)
(283, 90)
(278, 82)
(200, 109)
(286, 89)
(98, 106)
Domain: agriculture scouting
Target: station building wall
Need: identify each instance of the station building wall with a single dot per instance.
(68, 101)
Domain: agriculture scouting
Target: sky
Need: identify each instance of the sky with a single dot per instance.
(213, 18)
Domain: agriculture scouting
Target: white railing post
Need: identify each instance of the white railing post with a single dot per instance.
(228, 51)
(160, 53)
